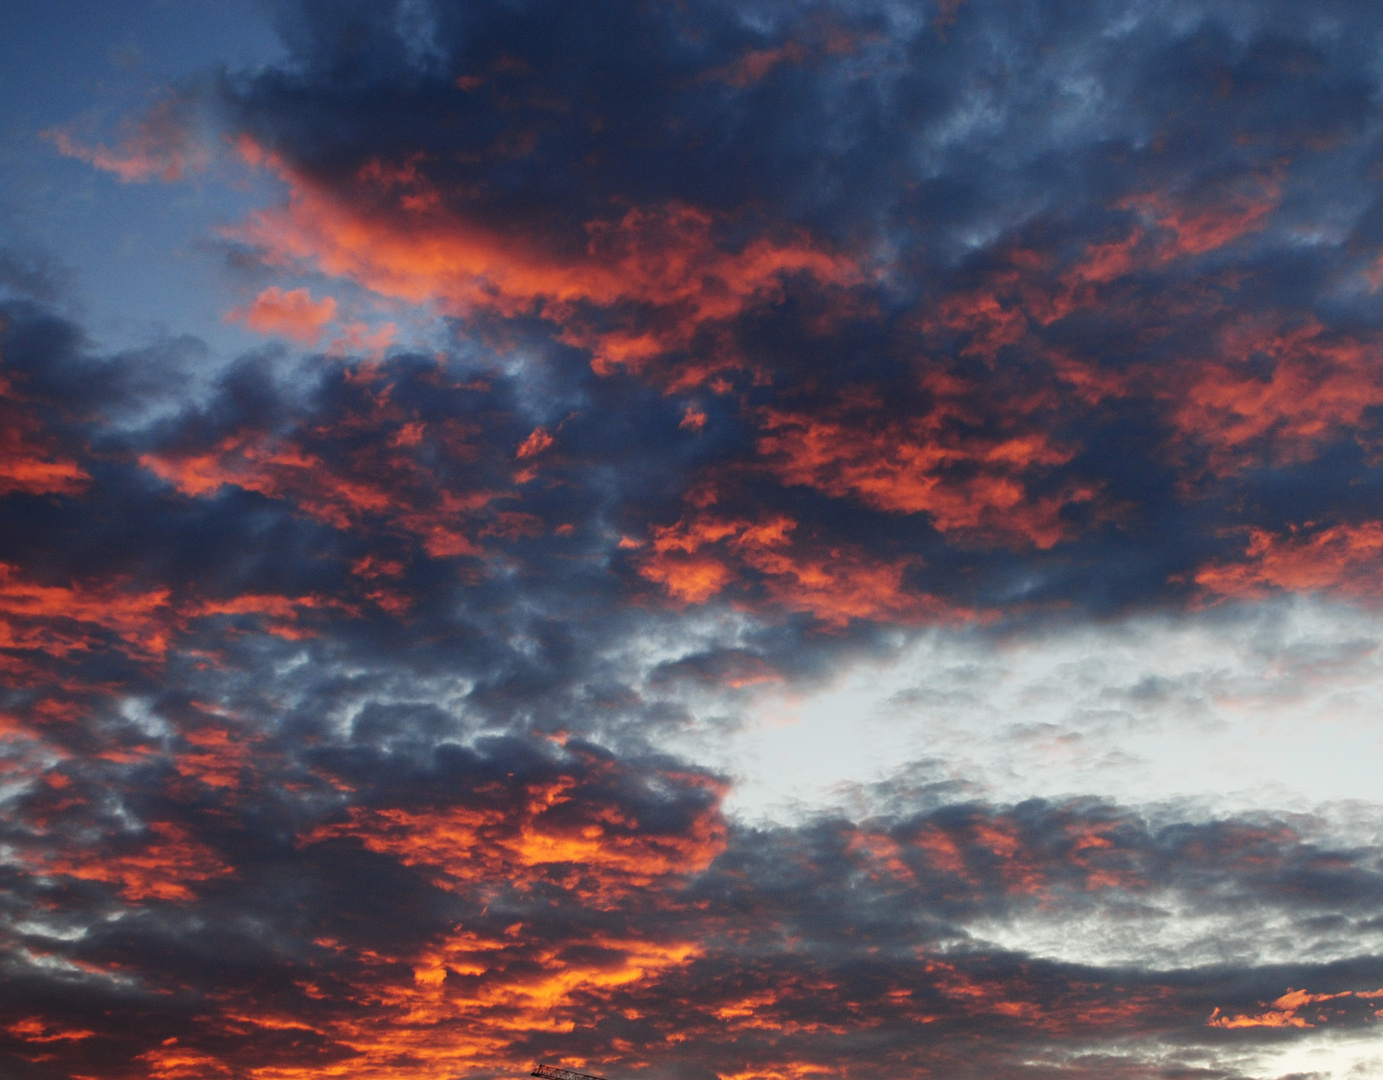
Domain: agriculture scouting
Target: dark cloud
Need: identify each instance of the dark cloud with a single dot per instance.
(33, 274)
(1014, 298)
(273, 904)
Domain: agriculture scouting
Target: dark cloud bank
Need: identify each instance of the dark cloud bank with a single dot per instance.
(332, 705)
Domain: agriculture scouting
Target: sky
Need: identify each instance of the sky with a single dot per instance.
(691, 539)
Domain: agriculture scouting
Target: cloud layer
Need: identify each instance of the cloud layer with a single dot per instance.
(365, 704)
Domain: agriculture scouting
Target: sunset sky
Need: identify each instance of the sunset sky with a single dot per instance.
(691, 539)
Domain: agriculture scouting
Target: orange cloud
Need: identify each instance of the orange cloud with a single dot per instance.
(393, 480)
(1266, 391)
(983, 853)
(1284, 1012)
(463, 1003)
(941, 850)
(595, 850)
(703, 555)
(36, 1030)
(44, 626)
(1345, 559)
(1194, 229)
(359, 337)
(215, 756)
(841, 584)
(881, 850)
(693, 419)
(279, 615)
(535, 444)
(459, 1002)
(172, 1062)
(28, 464)
(59, 620)
(1315, 387)
(657, 276)
(166, 867)
(1017, 998)
(931, 463)
(1024, 293)
(163, 143)
(989, 320)
(288, 314)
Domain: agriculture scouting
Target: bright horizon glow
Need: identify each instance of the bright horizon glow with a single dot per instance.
(1262, 707)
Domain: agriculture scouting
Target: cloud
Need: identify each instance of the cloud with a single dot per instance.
(876, 479)
(647, 284)
(165, 143)
(1335, 559)
(699, 558)
(961, 482)
(293, 314)
(1287, 1010)
(24, 464)
(978, 368)
(1278, 395)
(525, 897)
(34, 274)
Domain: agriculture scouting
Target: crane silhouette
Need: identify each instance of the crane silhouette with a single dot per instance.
(552, 1072)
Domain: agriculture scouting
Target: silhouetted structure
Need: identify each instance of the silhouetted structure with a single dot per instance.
(552, 1072)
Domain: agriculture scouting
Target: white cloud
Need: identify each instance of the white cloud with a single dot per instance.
(1273, 706)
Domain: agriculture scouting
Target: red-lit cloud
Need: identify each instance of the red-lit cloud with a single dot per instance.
(1246, 391)
(57, 637)
(964, 481)
(165, 864)
(375, 466)
(755, 64)
(57, 620)
(1294, 1009)
(1343, 559)
(705, 554)
(607, 913)
(600, 853)
(163, 144)
(538, 441)
(29, 462)
(1277, 395)
(467, 994)
(291, 314)
(639, 290)
(1190, 228)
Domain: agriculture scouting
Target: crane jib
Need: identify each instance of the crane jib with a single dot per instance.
(551, 1072)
